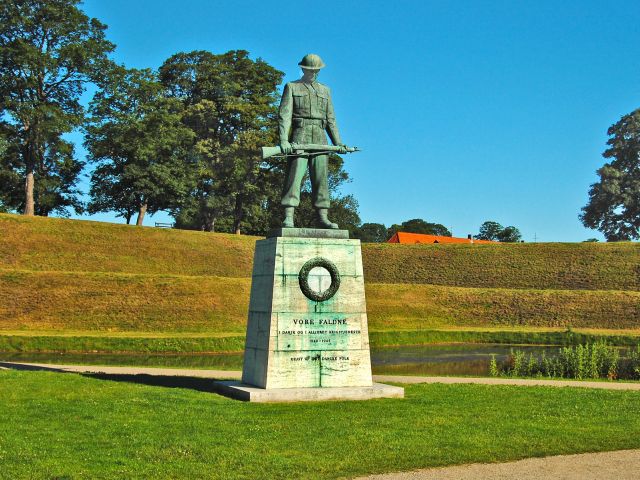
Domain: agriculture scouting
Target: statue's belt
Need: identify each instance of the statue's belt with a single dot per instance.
(303, 121)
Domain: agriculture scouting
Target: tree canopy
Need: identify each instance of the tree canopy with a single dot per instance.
(49, 50)
(491, 230)
(614, 201)
(140, 145)
(230, 104)
(372, 233)
(418, 225)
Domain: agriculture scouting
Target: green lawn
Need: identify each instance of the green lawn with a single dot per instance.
(56, 425)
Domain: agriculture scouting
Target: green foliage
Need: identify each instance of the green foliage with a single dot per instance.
(589, 361)
(141, 148)
(371, 233)
(125, 426)
(509, 235)
(493, 367)
(491, 230)
(230, 105)
(614, 201)
(418, 225)
(57, 174)
(50, 51)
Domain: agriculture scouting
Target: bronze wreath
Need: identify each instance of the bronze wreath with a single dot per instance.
(303, 278)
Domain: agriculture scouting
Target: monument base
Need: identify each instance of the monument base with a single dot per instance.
(248, 393)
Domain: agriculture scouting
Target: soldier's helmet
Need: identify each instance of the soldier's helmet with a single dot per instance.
(311, 62)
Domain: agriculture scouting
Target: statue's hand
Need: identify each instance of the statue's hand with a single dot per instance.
(343, 149)
(286, 148)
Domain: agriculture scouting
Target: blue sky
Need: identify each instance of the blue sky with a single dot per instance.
(466, 111)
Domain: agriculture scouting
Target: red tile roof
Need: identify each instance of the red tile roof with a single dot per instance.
(411, 238)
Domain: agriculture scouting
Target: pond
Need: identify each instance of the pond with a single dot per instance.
(441, 359)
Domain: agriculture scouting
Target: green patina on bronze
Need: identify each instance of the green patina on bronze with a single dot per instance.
(306, 116)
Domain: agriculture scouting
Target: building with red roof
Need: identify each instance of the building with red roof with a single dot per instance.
(413, 238)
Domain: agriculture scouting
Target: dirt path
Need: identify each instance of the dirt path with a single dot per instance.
(620, 465)
(510, 381)
(236, 374)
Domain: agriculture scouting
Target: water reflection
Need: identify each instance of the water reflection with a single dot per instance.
(449, 359)
(453, 359)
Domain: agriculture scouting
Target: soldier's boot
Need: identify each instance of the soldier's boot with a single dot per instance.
(288, 217)
(323, 220)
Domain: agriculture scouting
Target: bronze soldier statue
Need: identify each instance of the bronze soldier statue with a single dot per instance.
(305, 114)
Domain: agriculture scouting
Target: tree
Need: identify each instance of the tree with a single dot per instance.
(49, 51)
(418, 225)
(493, 231)
(230, 103)
(57, 175)
(509, 235)
(614, 201)
(142, 149)
(489, 230)
(372, 233)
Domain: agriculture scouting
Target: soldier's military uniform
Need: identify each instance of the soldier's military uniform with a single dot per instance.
(306, 113)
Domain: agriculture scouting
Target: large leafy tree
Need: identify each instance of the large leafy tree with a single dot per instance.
(49, 51)
(489, 230)
(509, 234)
(372, 233)
(230, 103)
(418, 225)
(55, 191)
(142, 150)
(614, 201)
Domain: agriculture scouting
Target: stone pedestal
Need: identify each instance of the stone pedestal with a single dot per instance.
(307, 328)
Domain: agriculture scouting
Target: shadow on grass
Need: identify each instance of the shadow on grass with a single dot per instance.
(193, 383)
(169, 381)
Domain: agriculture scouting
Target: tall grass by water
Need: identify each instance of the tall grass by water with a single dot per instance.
(591, 361)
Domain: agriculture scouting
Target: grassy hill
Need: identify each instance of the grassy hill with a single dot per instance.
(86, 280)
(53, 244)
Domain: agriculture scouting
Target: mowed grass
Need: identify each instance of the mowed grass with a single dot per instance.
(116, 302)
(57, 244)
(83, 280)
(53, 244)
(571, 266)
(82, 427)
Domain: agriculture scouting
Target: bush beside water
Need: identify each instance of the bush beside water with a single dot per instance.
(591, 361)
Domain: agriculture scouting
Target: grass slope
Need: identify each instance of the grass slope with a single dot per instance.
(87, 427)
(57, 244)
(571, 266)
(116, 302)
(66, 276)
(52, 244)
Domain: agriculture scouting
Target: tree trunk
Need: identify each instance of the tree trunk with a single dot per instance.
(141, 212)
(29, 161)
(29, 204)
(237, 215)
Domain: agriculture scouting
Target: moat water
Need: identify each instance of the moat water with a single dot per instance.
(441, 359)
